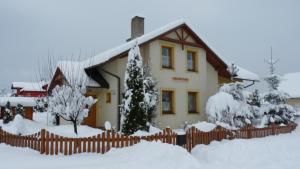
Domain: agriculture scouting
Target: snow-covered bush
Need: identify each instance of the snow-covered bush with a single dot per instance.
(222, 107)
(7, 115)
(70, 103)
(133, 115)
(18, 124)
(41, 104)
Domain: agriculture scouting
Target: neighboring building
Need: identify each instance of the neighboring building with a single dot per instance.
(187, 70)
(29, 89)
(27, 102)
(291, 85)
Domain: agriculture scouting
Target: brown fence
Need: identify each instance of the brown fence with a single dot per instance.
(51, 144)
(195, 136)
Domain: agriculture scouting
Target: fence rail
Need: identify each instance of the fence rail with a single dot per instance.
(52, 144)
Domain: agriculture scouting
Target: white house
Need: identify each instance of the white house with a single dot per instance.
(188, 72)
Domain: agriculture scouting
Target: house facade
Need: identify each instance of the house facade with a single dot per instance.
(290, 84)
(188, 72)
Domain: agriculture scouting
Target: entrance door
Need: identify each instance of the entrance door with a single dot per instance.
(91, 119)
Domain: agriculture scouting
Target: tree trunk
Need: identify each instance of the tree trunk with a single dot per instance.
(75, 127)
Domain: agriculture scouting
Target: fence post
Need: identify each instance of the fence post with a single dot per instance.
(249, 131)
(273, 128)
(1, 135)
(42, 148)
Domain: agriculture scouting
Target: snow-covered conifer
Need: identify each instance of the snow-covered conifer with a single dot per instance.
(150, 92)
(20, 110)
(7, 115)
(70, 103)
(133, 116)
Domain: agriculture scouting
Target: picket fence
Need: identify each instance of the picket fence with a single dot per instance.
(51, 144)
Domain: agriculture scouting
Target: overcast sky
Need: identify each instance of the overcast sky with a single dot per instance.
(238, 31)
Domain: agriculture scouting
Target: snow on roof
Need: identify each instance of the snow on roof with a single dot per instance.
(74, 73)
(29, 86)
(14, 101)
(290, 84)
(107, 55)
(245, 74)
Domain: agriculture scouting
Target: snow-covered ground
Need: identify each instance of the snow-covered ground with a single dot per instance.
(273, 152)
(145, 155)
(39, 122)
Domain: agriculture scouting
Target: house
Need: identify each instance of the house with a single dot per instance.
(27, 102)
(188, 72)
(29, 89)
(291, 85)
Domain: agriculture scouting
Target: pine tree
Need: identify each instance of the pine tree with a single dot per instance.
(275, 107)
(151, 93)
(7, 116)
(133, 115)
(20, 110)
(254, 99)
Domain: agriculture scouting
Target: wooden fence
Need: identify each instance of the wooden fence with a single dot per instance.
(51, 144)
(195, 136)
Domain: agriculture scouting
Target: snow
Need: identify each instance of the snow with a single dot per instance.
(109, 54)
(14, 101)
(144, 155)
(204, 126)
(273, 152)
(290, 84)
(39, 123)
(245, 74)
(29, 86)
(107, 125)
(75, 74)
(152, 131)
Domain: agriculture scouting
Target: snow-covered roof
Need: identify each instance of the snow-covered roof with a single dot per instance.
(109, 54)
(14, 101)
(74, 73)
(29, 86)
(291, 84)
(245, 74)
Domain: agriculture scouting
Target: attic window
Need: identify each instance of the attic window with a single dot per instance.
(191, 61)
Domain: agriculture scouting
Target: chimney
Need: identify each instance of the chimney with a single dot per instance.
(137, 27)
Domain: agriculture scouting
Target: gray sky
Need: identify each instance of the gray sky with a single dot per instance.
(239, 31)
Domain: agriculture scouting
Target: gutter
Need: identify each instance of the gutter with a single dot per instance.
(119, 94)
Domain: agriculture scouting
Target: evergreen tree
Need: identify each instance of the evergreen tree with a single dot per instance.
(233, 70)
(7, 116)
(133, 114)
(275, 107)
(20, 110)
(254, 99)
(151, 93)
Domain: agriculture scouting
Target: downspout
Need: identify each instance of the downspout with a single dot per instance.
(119, 94)
(249, 85)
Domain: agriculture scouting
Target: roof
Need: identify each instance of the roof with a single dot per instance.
(124, 48)
(29, 86)
(74, 73)
(245, 74)
(14, 101)
(291, 84)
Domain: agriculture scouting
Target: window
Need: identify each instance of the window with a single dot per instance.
(108, 97)
(167, 102)
(191, 61)
(192, 102)
(167, 57)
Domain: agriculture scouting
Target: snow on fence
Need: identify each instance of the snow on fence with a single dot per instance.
(195, 136)
(51, 144)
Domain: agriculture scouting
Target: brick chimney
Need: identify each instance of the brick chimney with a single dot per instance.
(137, 27)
